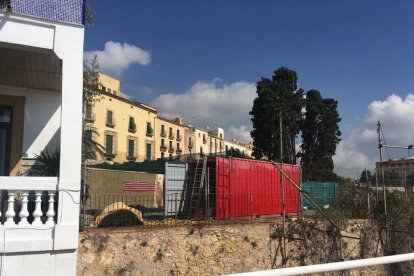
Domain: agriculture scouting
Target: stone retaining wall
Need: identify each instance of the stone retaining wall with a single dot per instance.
(192, 250)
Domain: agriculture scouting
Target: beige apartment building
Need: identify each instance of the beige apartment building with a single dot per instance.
(169, 137)
(133, 131)
(246, 149)
(124, 127)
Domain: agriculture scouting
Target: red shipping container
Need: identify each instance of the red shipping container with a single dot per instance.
(248, 188)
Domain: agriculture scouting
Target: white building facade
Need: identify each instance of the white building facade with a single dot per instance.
(41, 53)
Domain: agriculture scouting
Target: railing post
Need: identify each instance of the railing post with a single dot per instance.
(51, 212)
(24, 213)
(10, 210)
(37, 214)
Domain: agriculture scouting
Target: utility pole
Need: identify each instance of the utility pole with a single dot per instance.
(379, 131)
(283, 186)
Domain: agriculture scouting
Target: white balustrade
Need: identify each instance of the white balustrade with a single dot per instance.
(51, 211)
(21, 194)
(37, 214)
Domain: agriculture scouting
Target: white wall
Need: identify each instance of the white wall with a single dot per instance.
(66, 41)
(41, 118)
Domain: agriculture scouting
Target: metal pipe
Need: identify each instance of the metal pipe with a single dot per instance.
(320, 268)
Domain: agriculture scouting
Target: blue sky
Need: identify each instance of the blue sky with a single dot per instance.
(357, 52)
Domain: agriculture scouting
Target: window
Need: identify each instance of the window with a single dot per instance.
(132, 126)
(170, 133)
(178, 135)
(162, 155)
(109, 144)
(88, 134)
(88, 112)
(109, 118)
(148, 152)
(109, 90)
(149, 129)
(162, 143)
(131, 148)
(170, 157)
(201, 150)
(221, 135)
(162, 130)
(103, 88)
(171, 146)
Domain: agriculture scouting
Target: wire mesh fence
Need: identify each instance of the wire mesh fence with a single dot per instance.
(205, 190)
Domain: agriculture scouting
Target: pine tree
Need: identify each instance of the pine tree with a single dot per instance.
(276, 97)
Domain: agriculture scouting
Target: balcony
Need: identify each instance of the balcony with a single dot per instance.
(179, 138)
(171, 149)
(190, 145)
(110, 123)
(163, 148)
(131, 158)
(163, 134)
(179, 150)
(150, 132)
(171, 136)
(90, 118)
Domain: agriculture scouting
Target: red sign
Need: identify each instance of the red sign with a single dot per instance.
(139, 187)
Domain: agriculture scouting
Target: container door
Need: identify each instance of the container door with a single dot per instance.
(222, 188)
(174, 192)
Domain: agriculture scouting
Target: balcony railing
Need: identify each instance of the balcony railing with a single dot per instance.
(179, 137)
(90, 118)
(179, 150)
(163, 148)
(20, 192)
(171, 136)
(163, 134)
(110, 123)
(171, 149)
(190, 145)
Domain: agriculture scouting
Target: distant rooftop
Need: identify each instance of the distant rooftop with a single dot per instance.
(69, 11)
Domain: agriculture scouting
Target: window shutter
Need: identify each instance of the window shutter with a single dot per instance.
(109, 144)
(131, 146)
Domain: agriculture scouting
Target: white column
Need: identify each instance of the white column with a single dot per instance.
(10, 209)
(51, 212)
(24, 213)
(37, 214)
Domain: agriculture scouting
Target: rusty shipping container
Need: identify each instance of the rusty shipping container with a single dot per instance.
(250, 188)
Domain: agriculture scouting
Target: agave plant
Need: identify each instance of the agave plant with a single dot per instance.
(50, 161)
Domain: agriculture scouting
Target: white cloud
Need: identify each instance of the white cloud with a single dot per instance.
(116, 57)
(213, 104)
(360, 148)
(241, 133)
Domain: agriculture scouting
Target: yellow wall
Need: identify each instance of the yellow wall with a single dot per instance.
(109, 84)
(122, 110)
(175, 140)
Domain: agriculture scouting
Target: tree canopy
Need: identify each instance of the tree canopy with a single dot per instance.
(315, 117)
(320, 132)
(276, 97)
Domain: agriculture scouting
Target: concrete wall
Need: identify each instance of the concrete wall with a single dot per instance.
(109, 183)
